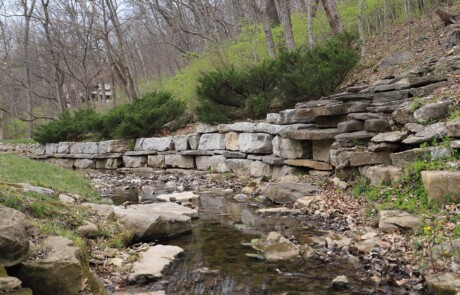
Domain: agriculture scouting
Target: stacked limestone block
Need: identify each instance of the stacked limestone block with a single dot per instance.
(374, 130)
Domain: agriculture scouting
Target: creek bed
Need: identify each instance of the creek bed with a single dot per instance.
(215, 260)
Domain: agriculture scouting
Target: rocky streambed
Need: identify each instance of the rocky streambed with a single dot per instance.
(298, 235)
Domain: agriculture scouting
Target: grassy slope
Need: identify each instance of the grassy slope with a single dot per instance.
(14, 169)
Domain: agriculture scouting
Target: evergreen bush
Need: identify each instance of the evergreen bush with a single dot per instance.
(69, 127)
(144, 117)
(304, 74)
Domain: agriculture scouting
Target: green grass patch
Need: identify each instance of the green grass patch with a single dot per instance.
(14, 169)
(408, 193)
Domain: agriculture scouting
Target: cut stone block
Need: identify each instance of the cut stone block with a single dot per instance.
(369, 158)
(231, 141)
(212, 141)
(156, 161)
(134, 162)
(309, 164)
(255, 143)
(179, 161)
(321, 150)
(290, 148)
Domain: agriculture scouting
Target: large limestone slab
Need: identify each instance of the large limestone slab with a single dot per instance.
(113, 146)
(236, 127)
(153, 262)
(64, 147)
(14, 239)
(239, 166)
(255, 143)
(432, 111)
(379, 175)
(212, 141)
(394, 136)
(149, 226)
(181, 142)
(205, 128)
(311, 134)
(453, 128)
(443, 283)
(51, 148)
(425, 154)
(290, 148)
(84, 164)
(134, 162)
(394, 220)
(215, 163)
(277, 129)
(350, 126)
(156, 161)
(434, 131)
(442, 186)
(293, 116)
(231, 141)
(260, 169)
(59, 271)
(157, 144)
(179, 161)
(283, 193)
(277, 248)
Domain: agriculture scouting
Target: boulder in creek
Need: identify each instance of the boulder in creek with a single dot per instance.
(443, 283)
(276, 247)
(282, 193)
(14, 242)
(149, 225)
(59, 271)
(394, 220)
(153, 262)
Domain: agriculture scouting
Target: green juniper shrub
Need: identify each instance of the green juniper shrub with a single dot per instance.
(68, 127)
(304, 74)
(144, 117)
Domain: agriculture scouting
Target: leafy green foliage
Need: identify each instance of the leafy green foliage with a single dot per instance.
(68, 127)
(228, 94)
(144, 117)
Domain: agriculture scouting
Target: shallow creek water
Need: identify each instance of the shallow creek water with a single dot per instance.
(215, 261)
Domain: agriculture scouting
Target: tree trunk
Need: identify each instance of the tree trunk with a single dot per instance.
(27, 14)
(333, 16)
(273, 13)
(361, 28)
(268, 29)
(285, 17)
(57, 76)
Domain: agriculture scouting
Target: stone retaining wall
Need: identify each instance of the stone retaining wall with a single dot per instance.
(373, 125)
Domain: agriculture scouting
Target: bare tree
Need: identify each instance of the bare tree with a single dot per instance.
(285, 16)
(330, 6)
(267, 29)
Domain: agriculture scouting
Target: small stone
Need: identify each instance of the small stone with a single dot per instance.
(8, 284)
(395, 136)
(453, 128)
(350, 126)
(241, 198)
(117, 261)
(394, 220)
(88, 230)
(432, 111)
(340, 282)
(110, 252)
(376, 125)
(66, 199)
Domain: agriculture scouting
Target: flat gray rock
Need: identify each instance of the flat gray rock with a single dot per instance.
(434, 131)
(153, 262)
